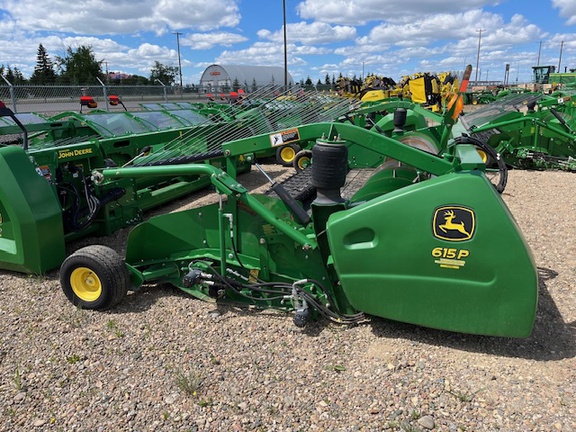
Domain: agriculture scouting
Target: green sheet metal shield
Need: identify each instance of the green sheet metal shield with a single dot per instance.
(469, 271)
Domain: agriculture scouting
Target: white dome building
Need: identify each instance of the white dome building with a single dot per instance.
(218, 78)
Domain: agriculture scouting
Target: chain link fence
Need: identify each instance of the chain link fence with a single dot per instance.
(58, 98)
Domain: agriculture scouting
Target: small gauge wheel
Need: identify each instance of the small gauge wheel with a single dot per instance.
(94, 277)
(302, 160)
(286, 154)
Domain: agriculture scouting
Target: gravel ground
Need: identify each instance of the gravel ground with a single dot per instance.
(162, 361)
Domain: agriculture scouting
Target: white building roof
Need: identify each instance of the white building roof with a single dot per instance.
(217, 75)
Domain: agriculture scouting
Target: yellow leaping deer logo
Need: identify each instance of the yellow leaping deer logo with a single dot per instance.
(454, 223)
(449, 225)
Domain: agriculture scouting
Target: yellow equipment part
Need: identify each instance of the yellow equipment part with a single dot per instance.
(418, 90)
(375, 95)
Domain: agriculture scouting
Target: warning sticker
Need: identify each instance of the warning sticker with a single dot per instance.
(284, 137)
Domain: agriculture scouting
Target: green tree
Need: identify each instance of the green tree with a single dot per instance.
(132, 80)
(235, 85)
(327, 80)
(18, 77)
(44, 70)
(308, 80)
(14, 76)
(165, 74)
(79, 66)
(254, 86)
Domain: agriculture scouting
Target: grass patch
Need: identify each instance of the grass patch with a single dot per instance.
(188, 382)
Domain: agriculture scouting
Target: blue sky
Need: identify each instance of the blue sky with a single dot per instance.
(353, 37)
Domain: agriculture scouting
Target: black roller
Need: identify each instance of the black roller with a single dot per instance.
(400, 119)
(329, 170)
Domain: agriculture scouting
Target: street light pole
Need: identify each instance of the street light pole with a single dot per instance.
(107, 73)
(285, 48)
(179, 61)
(478, 55)
(560, 58)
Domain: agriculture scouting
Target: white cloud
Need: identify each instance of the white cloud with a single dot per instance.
(122, 16)
(330, 35)
(359, 12)
(452, 35)
(567, 10)
(261, 54)
(311, 33)
(203, 41)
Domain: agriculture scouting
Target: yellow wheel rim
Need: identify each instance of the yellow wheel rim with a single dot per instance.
(482, 154)
(303, 162)
(85, 284)
(287, 154)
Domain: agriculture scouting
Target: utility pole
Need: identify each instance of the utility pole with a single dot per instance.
(560, 59)
(285, 48)
(179, 62)
(478, 55)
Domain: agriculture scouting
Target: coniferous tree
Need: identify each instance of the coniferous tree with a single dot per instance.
(44, 70)
(14, 76)
(9, 74)
(18, 77)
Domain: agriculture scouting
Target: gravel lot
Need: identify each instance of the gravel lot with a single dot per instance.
(162, 361)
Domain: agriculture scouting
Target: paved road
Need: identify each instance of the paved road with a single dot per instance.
(54, 107)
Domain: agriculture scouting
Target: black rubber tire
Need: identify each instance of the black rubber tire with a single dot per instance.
(494, 162)
(302, 160)
(94, 277)
(286, 154)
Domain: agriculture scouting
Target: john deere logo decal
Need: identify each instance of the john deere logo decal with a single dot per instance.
(454, 223)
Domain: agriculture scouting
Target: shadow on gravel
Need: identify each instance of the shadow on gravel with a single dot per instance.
(551, 339)
(144, 298)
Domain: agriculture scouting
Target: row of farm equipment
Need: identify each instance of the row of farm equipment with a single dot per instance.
(393, 210)
(424, 88)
